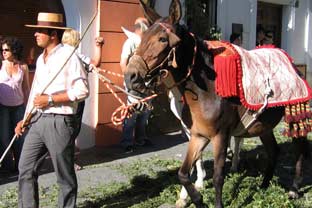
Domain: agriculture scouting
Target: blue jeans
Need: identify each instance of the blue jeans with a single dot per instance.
(134, 128)
(9, 117)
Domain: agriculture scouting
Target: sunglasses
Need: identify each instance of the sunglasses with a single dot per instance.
(6, 50)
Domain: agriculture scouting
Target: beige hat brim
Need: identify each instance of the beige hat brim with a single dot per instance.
(48, 27)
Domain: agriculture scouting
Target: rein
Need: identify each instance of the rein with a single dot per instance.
(124, 111)
(190, 68)
(150, 72)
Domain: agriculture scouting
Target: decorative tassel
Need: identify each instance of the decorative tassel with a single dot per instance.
(286, 130)
(295, 131)
(307, 125)
(308, 110)
(297, 113)
(303, 111)
(293, 113)
(300, 111)
(302, 130)
(288, 117)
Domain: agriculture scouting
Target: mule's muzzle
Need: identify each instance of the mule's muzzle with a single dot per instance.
(137, 65)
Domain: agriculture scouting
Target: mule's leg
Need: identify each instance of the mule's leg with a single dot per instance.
(302, 151)
(220, 143)
(194, 152)
(199, 183)
(201, 173)
(235, 160)
(272, 150)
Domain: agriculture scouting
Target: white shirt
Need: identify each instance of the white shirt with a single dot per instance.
(71, 79)
(11, 87)
(86, 61)
(130, 46)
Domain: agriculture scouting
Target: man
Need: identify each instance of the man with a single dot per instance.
(135, 126)
(53, 104)
(236, 39)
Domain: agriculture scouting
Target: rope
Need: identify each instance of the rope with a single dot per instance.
(111, 73)
(124, 111)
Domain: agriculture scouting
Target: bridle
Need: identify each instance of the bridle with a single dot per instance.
(169, 61)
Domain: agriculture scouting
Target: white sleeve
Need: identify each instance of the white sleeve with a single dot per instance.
(79, 86)
(126, 49)
(85, 59)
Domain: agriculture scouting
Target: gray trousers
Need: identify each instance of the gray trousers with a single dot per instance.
(54, 134)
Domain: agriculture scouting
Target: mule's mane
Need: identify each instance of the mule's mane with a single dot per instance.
(203, 62)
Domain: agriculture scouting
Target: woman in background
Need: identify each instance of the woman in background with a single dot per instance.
(71, 38)
(14, 92)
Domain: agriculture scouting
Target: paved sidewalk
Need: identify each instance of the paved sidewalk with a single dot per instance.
(96, 160)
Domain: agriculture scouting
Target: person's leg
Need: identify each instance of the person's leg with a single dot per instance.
(7, 163)
(17, 114)
(79, 115)
(128, 131)
(140, 130)
(61, 145)
(33, 149)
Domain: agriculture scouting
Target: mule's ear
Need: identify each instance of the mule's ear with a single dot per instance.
(175, 11)
(150, 14)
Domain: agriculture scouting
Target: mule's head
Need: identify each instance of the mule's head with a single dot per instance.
(158, 48)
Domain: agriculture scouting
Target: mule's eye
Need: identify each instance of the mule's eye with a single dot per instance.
(163, 39)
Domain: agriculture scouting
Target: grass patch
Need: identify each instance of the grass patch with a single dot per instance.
(153, 182)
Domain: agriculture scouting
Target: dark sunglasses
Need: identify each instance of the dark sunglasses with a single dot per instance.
(6, 50)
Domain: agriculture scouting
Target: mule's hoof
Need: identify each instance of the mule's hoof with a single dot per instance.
(264, 185)
(293, 195)
(199, 203)
(199, 185)
(181, 203)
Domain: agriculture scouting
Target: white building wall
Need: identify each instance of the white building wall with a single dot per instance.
(308, 40)
(240, 12)
(78, 16)
(293, 29)
(297, 35)
(296, 26)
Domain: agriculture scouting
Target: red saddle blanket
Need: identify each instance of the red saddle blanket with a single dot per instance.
(248, 74)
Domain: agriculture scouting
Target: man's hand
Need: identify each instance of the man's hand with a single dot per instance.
(19, 129)
(41, 101)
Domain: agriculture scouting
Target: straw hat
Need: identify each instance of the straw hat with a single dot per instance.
(50, 20)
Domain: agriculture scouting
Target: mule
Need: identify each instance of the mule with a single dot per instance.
(168, 45)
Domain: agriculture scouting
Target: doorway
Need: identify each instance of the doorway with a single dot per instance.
(269, 18)
(14, 14)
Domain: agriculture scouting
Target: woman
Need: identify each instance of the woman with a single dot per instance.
(14, 92)
(71, 38)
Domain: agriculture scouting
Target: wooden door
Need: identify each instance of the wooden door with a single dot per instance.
(113, 15)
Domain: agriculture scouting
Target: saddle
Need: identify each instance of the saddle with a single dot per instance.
(263, 77)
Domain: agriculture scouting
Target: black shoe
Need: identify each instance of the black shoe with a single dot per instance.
(147, 143)
(129, 149)
(144, 143)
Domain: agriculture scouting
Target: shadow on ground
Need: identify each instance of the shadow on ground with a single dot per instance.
(253, 164)
(99, 155)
